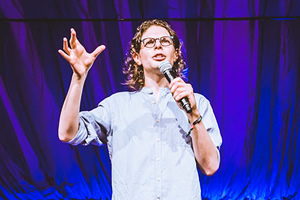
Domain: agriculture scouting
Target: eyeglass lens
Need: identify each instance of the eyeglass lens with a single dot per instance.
(164, 41)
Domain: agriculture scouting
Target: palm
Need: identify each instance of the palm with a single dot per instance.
(80, 60)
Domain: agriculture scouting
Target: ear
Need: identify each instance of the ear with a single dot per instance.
(137, 59)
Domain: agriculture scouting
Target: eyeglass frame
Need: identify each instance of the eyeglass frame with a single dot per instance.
(169, 36)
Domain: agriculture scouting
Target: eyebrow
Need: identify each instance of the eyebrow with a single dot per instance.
(156, 37)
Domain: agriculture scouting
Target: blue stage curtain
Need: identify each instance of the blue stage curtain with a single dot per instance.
(244, 56)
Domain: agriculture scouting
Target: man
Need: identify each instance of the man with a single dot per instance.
(154, 145)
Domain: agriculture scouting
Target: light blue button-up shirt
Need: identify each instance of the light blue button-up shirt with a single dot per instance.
(150, 154)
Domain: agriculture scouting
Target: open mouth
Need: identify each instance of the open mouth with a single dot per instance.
(159, 57)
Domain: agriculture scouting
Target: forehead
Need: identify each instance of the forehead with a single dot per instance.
(155, 31)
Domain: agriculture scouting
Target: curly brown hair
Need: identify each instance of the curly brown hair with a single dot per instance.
(134, 73)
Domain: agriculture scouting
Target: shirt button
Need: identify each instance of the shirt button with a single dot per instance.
(158, 198)
(158, 140)
(158, 159)
(157, 120)
(158, 178)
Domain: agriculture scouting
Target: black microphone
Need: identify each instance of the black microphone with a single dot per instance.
(165, 67)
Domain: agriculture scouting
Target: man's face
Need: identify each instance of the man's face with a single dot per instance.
(150, 58)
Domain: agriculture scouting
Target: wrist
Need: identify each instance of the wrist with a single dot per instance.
(79, 77)
(194, 115)
(193, 123)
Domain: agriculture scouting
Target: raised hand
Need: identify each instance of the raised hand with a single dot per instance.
(79, 59)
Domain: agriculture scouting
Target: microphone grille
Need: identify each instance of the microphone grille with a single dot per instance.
(164, 65)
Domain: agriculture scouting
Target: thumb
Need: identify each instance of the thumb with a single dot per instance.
(98, 50)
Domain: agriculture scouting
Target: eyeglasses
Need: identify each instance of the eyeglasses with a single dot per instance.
(164, 41)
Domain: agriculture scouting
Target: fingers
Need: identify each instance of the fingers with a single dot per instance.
(64, 55)
(180, 93)
(174, 81)
(65, 46)
(76, 50)
(175, 84)
(180, 89)
(73, 38)
(98, 50)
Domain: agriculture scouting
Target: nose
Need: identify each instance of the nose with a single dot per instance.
(157, 43)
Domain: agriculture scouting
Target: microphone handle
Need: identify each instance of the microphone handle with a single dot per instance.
(185, 104)
(170, 75)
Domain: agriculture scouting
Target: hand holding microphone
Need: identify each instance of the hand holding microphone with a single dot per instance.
(166, 68)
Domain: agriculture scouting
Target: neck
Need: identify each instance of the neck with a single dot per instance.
(155, 82)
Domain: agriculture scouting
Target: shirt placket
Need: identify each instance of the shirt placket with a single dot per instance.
(158, 147)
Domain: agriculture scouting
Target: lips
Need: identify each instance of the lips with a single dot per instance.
(159, 56)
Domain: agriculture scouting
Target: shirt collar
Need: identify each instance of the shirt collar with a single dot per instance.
(163, 90)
